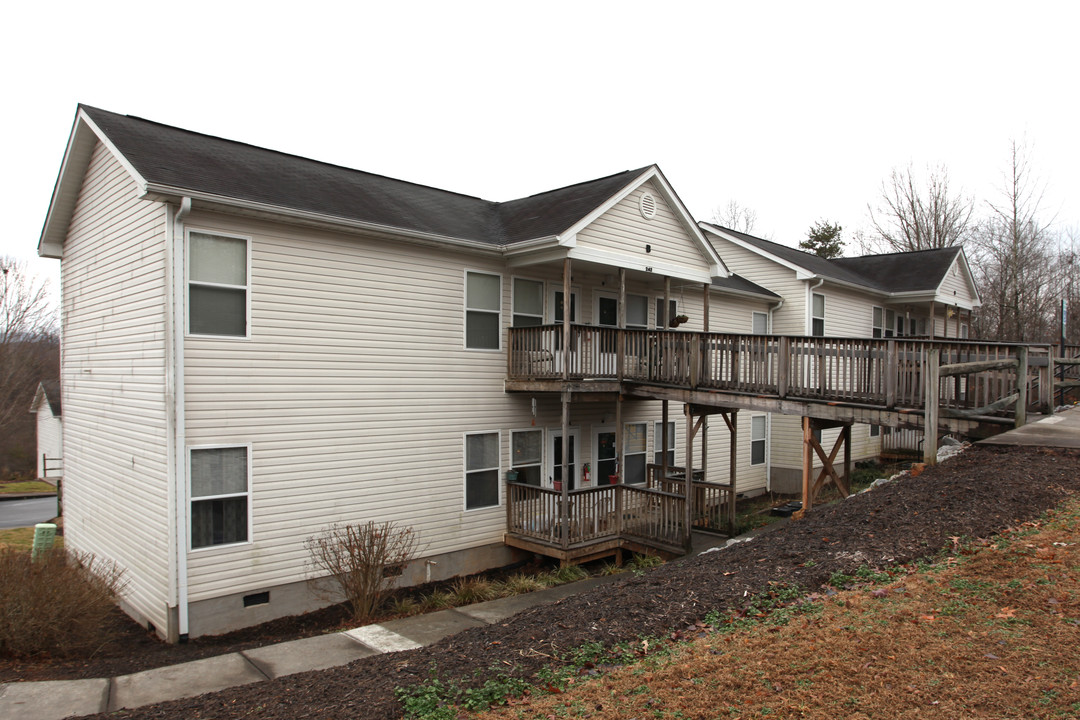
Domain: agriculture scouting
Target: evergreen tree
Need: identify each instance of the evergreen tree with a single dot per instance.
(823, 239)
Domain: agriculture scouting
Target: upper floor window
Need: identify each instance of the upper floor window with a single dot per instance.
(879, 322)
(817, 318)
(483, 314)
(760, 323)
(528, 303)
(664, 323)
(217, 285)
(637, 311)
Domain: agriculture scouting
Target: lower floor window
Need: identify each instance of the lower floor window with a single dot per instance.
(658, 445)
(757, 440)
(481, 470)
(526, 455)
(875, 430)
(220, 483)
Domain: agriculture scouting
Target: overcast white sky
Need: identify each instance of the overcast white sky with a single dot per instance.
(796, 110)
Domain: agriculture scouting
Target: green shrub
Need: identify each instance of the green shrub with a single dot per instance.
(472, 590)
(58, 604)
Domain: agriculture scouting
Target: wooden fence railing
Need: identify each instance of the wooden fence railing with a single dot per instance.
(888, 372)
(596, 514)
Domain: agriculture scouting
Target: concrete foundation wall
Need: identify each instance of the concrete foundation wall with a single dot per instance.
(222, 614)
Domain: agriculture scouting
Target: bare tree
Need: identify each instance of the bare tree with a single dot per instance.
(28, 341)
(919, 215)
(1015, 266)
(735, 216)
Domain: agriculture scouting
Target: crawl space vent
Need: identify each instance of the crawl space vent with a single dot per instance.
(648, 206)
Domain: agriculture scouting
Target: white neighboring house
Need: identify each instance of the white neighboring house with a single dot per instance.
(930, 293)
(50, 430)
(256, 345)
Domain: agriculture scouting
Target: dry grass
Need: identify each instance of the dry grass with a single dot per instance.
(27, 486)
(23, 539)
(990, 632)
(56, 605)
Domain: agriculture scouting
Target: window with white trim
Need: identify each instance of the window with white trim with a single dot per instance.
(220, 495)
(817, 318)
(658, 443)
(964, 332)
(528, 303)
(890, 323)
(635, 449)
(875, 430)
(527, 455)
(760, 323)
(757, 440)
(483, 310)
(481, 470)
(879, 322)
(217, 285)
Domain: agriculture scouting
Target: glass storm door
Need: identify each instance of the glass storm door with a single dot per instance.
(555, 456)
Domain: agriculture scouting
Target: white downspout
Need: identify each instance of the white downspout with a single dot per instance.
(179, 438)
(810, 304)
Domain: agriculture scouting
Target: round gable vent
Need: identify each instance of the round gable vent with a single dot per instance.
(648, 206)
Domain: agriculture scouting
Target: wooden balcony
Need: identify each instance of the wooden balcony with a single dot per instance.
(602, 520)
(885, 374)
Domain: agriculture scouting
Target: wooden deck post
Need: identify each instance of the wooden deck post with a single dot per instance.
(620, 346)
(1020, 416)
(807, 464)
(783, 366)
(892, 371)
(846, 432)
(566, 321)
(664, 441)
(667, 305)
(733, 471)
(619, 440)
(564, 504)
(931, 366)
(933, 321)
(1050, 379)
(705, 311)
(688, 516)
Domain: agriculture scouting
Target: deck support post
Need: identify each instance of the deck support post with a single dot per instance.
(733, 459)
(619, 468)
(1020, 417)
(688, 517)
(1050, 372)
(807, 463)
(892, 371)
(566, 277)
(664, 441)
(932, 374)
(620, 343)
(933, 321)
(564, 504)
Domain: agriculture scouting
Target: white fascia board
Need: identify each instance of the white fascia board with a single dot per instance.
(80, 146)
(527, 246)
(164, 192)
(929, 296)
(801, 273)
(746, 294)
(555, 254)
(604, 257)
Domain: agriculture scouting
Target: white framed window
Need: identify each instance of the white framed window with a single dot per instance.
(875, 430)
(658, 443)
(218, 288)
(757, 440)
(817, 317)
(890, 323)
(879, 322)
(673, 311)
(760, 323)
(483, 310)
(219, 485)
(637, 312)
(527, 455)
(635, 452)
(528, 303)
(901, 325)
(481, 470)
(964, 332)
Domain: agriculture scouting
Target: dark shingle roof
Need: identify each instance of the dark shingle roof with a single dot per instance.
(920, 270)
(741, 284)
(176, 158)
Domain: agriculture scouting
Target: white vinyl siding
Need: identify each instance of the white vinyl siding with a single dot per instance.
(49, 440)
(790, 318)
(954, 288)
(113, 383)
(624, 231)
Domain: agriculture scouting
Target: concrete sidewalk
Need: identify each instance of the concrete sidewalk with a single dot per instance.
(55, 699)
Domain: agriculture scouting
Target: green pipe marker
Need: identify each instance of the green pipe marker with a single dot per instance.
(44, 536)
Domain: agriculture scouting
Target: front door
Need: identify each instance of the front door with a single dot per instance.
(555, 448)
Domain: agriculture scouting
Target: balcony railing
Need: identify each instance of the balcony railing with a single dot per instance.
(879, 372)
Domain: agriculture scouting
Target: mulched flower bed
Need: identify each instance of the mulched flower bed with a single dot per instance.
(976, 494)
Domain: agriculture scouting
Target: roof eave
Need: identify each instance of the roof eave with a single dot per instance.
(165, 193)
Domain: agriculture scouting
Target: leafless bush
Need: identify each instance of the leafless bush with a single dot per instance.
(58, 604)
(359, 562)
